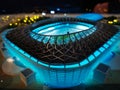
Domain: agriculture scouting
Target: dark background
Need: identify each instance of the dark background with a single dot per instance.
(68, 6)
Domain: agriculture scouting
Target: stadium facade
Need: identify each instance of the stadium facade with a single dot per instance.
(61, 51)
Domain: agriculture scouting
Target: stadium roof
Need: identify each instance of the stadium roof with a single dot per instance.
(72, 52)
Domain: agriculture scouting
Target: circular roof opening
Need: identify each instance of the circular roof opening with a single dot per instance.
(61, 30)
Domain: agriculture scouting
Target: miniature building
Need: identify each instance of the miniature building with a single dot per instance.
(101, 72)
(27, 76)
(61, 49)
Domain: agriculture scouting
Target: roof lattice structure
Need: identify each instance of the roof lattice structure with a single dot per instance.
(70, 52)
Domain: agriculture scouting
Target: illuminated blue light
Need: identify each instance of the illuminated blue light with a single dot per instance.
(32, 58)
(57, 66)
(46, 74)
(72, 66)
(77, 35)
(40, 38)
(109, 42)
(81, 34)
(96, 53)
(84, 62)
(58, 9)
(91, 16)
(32, 34)
(12, 44)
(72, 38)
(53, 77)
(69, 76)
(20, 50)
(27, 55)
(91, 57)
(115, 36)
(66, 40)
(46, 39)
(35, 36)
(47, 65)
(18, 63)
(112, 39)
(90, 31)
(102, 49)
(16, 47)
(106, 46)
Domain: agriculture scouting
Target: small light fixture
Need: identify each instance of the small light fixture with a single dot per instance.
(52, 12)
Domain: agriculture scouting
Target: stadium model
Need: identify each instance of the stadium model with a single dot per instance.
(61, 51)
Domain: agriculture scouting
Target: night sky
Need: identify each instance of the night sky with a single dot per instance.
(43, 3)
(19, 5)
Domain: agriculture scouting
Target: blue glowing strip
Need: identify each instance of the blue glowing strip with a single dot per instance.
(26, 54)
(84, 62)
(12, 44)
(66, 40)
(46, 39)
(32, 58)
(106, 45)
(21, 51)
(97, 53)
(43, 64)
(8, 41)
(54, 66)
(81, 34)
(90, 31)
(86, 33)
(32, 34)
(115, 36)
(78, 36)
(109, 42)
(36, 30)
(52, 40)
(91, 58)
(72, 37)
(17, 48)
(118, 33)
(102, 49)
(112, 39)
(94, 28)
(72, 66)
(35, 36)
